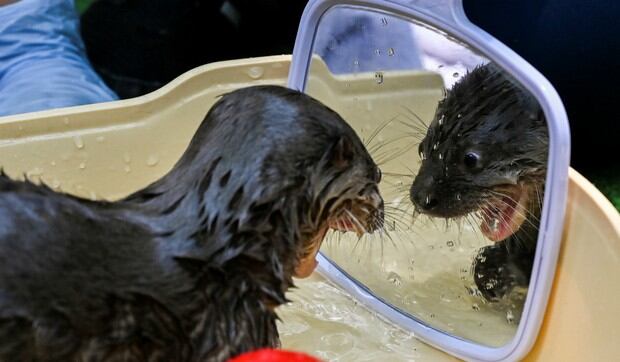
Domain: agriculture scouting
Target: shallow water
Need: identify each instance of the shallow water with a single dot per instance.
(326, 322)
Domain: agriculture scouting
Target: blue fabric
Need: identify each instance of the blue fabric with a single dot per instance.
(43, 63)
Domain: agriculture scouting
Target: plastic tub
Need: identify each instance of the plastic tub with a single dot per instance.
(111, 149)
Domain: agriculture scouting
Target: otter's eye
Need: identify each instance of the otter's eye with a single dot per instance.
(377, 175)
(471, 159)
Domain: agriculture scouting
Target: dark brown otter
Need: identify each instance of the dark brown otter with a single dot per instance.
(191, 267)
(485, 153)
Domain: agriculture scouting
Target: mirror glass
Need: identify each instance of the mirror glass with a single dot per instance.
(463, 151)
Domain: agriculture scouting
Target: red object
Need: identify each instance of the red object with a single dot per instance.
(274, 355)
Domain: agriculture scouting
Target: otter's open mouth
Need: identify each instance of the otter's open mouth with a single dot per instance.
(360, 218)
(504, 214)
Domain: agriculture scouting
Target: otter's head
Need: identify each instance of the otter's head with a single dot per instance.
(280, 169)
(485, 152)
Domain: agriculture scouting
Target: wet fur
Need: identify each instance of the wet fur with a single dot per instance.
(489, 113)
(191, 267)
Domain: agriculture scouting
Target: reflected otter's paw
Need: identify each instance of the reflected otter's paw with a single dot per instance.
(497, 271)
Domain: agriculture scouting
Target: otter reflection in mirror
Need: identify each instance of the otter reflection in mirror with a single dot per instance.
(485, 154)
(191, 267)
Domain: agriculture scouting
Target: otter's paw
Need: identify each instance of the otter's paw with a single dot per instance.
(493, 273)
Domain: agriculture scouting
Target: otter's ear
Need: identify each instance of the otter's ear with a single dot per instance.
(342, 153)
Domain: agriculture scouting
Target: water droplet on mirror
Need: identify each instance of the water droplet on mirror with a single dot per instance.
(256, 72)
(390, 51)
(450, 243)
(394, 278)
(78, 142)
(379, 77)
(152, 160)
(455, 74)
(459, 115)
(510, 318)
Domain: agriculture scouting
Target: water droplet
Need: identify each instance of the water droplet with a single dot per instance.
(475, 307)
(390, 51)
(384, 21)
(152, 160)
(256, 72)
(356, 62)
(78, 142)
(455, 74)
(440, 66)
(432, 315)
(440, 156)
(127, 169)
(394, 278)
(459, 115)
(450, 243)
(510, 318)
(82, 165)
(379, 77)
(100, 139)
(126, 157)
(377, 52)
(458, 196)
(436, 145)
(440, 120)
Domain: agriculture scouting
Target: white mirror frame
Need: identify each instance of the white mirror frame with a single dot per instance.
(449, 16)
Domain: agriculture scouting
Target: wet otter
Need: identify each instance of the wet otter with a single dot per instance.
(485, 152)
(191, 267)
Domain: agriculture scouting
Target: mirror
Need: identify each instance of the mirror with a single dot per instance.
(463, 149)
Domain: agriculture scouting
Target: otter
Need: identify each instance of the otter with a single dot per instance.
(192, 267)
(485, 153)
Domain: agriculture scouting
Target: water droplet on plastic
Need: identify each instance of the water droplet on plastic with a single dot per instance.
(379, 77)
(152, 160)
(455, 74)
(78, 142)
(475, 307)
(394, 278)
(127, 169)
(510, 317)
(256, 72)
(127, 157)
(82, 165)
(390, 51)
(450, 243)
(384, 21)
(100, 139)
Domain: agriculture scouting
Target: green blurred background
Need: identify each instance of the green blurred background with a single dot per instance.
(608, 181)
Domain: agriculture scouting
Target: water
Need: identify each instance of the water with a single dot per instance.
(324, 321)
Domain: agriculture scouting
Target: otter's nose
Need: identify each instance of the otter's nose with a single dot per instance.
(422, 195)
(425, 201)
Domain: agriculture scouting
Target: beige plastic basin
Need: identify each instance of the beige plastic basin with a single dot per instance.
(109, 150)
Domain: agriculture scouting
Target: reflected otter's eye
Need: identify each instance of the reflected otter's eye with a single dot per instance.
(471, 159)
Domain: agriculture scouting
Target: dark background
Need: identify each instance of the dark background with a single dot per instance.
(139, 45)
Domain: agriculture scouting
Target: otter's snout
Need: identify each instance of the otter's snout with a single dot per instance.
(423, 194)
